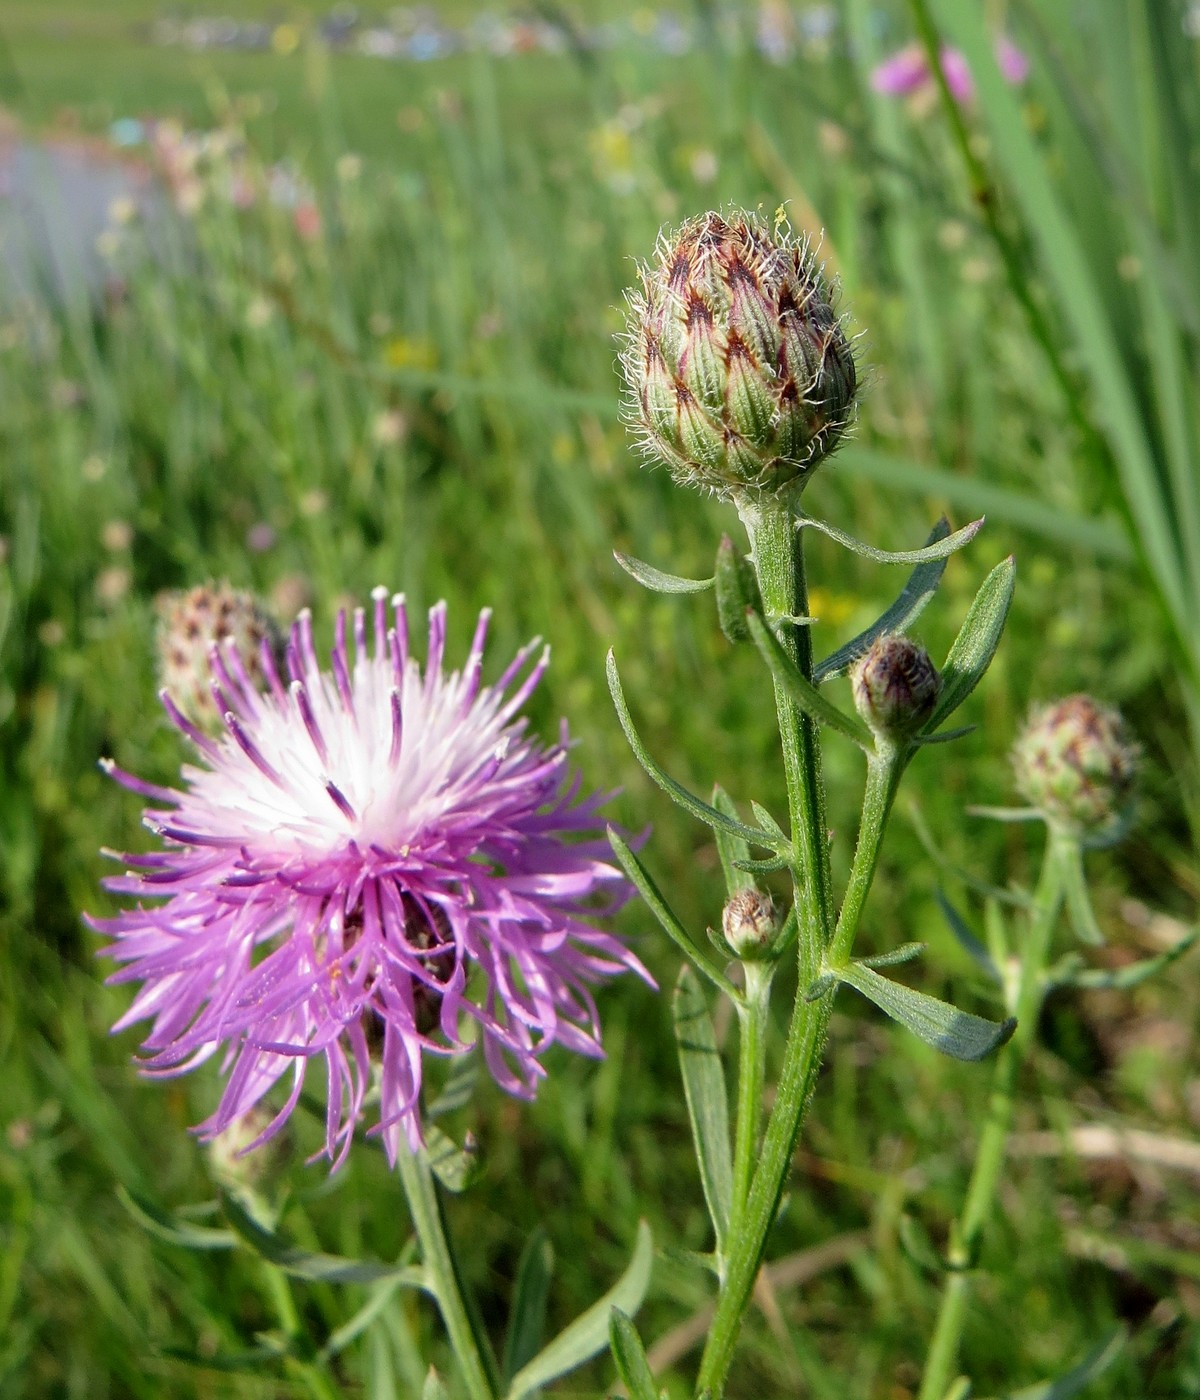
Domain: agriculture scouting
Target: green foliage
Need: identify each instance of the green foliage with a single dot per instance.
(424, 396)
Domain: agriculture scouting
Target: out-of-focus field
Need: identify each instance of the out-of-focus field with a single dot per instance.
(363, 333)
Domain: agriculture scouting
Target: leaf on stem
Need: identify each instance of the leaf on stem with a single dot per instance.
(455, 1167)
(531, 1292)
(1076, 897)
(655, 580)
(1133, 975)
(966, 940)
(675, 791)
(801, 689)
(629, 1356)
(381, 1296)
(173, 1228)
(940, 548)
(947, 736)
(707, 1098)
(317, 1268)
(906, 952)
(956, 1033)
(733, 850)
(737, 590)
(588, 1334)
(1006, 814)
(976, 643)
(921, 586)
(643, 882)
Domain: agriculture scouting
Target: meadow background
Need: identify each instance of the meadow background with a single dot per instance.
(363, 333)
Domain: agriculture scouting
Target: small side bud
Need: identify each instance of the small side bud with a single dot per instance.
(253, 1176)
(191, 622)
(896, 686)
(740, 376)
(1077, 763)
(749, 923)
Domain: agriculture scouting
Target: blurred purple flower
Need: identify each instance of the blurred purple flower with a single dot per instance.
(366, 855)
(908, 71)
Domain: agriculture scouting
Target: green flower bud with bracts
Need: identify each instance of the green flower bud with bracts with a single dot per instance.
(749, 923)
(1077, 763)
(896, 686)
(740, 376)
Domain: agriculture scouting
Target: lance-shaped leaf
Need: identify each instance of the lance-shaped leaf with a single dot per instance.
(707, 1099)
(320, 1268)
(966, 940)
(733, 850)
(737, 590)
(531, 1292)
(643, 882)
(801, 689)
(956, 1033)
(1076, 897)
(588, 1334)
(1123, 978)
(941, 548)
(676, 791)
(921, 586)
(629, 1356)
(1093, 1365)
(976, 643)
(906, 952)
(381, 1296)
(173, 1228)
(658, 582)
(455, 1167)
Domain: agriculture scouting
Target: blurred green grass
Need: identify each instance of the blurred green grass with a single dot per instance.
(423, 395)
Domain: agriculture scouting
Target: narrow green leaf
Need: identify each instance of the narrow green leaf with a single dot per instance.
(966, 940)
(707, 1099)
(921, 586)
(643, 882)
(906, 952)
(170, 1227)
(737, 590)
(1093, 1365)
(531, 1292)
(1006, 814)
(733, 850)
(947, 736)
(588, 1334)
(1134, 974)
(381, 1295)
(768, 823)
(1076, 897)
(915, 1241)
(455, 1167)
(802, 690)
(976, 643)
(324, 1268)
(941, 548)
(675, 791)
(956, 1033)
(762, 867)
(658, 582)
(629, 1356)
(261, 1360)
(459, 1087)
(1105, 539)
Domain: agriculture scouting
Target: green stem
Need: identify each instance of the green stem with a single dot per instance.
(942, 1359)
(318, 1384)
(752, 1060)
(779, 563)
(884, 769)
(468, 1340)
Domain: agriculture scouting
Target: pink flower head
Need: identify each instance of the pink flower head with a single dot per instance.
(365, 856)
(907, 71)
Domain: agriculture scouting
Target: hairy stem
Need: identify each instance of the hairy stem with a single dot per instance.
(942, 1358)
(883, 778)
(752, 1059)
(309, 1373)
(468, 1340)
(779, 563)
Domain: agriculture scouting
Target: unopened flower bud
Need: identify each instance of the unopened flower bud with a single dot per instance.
(895, 687)
(1077, 763)
(749, 924)
(191, 621)
(253, 1175)
(740, 376)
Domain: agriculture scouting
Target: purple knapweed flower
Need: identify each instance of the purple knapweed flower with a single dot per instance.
(907, 70)
(365, 856)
